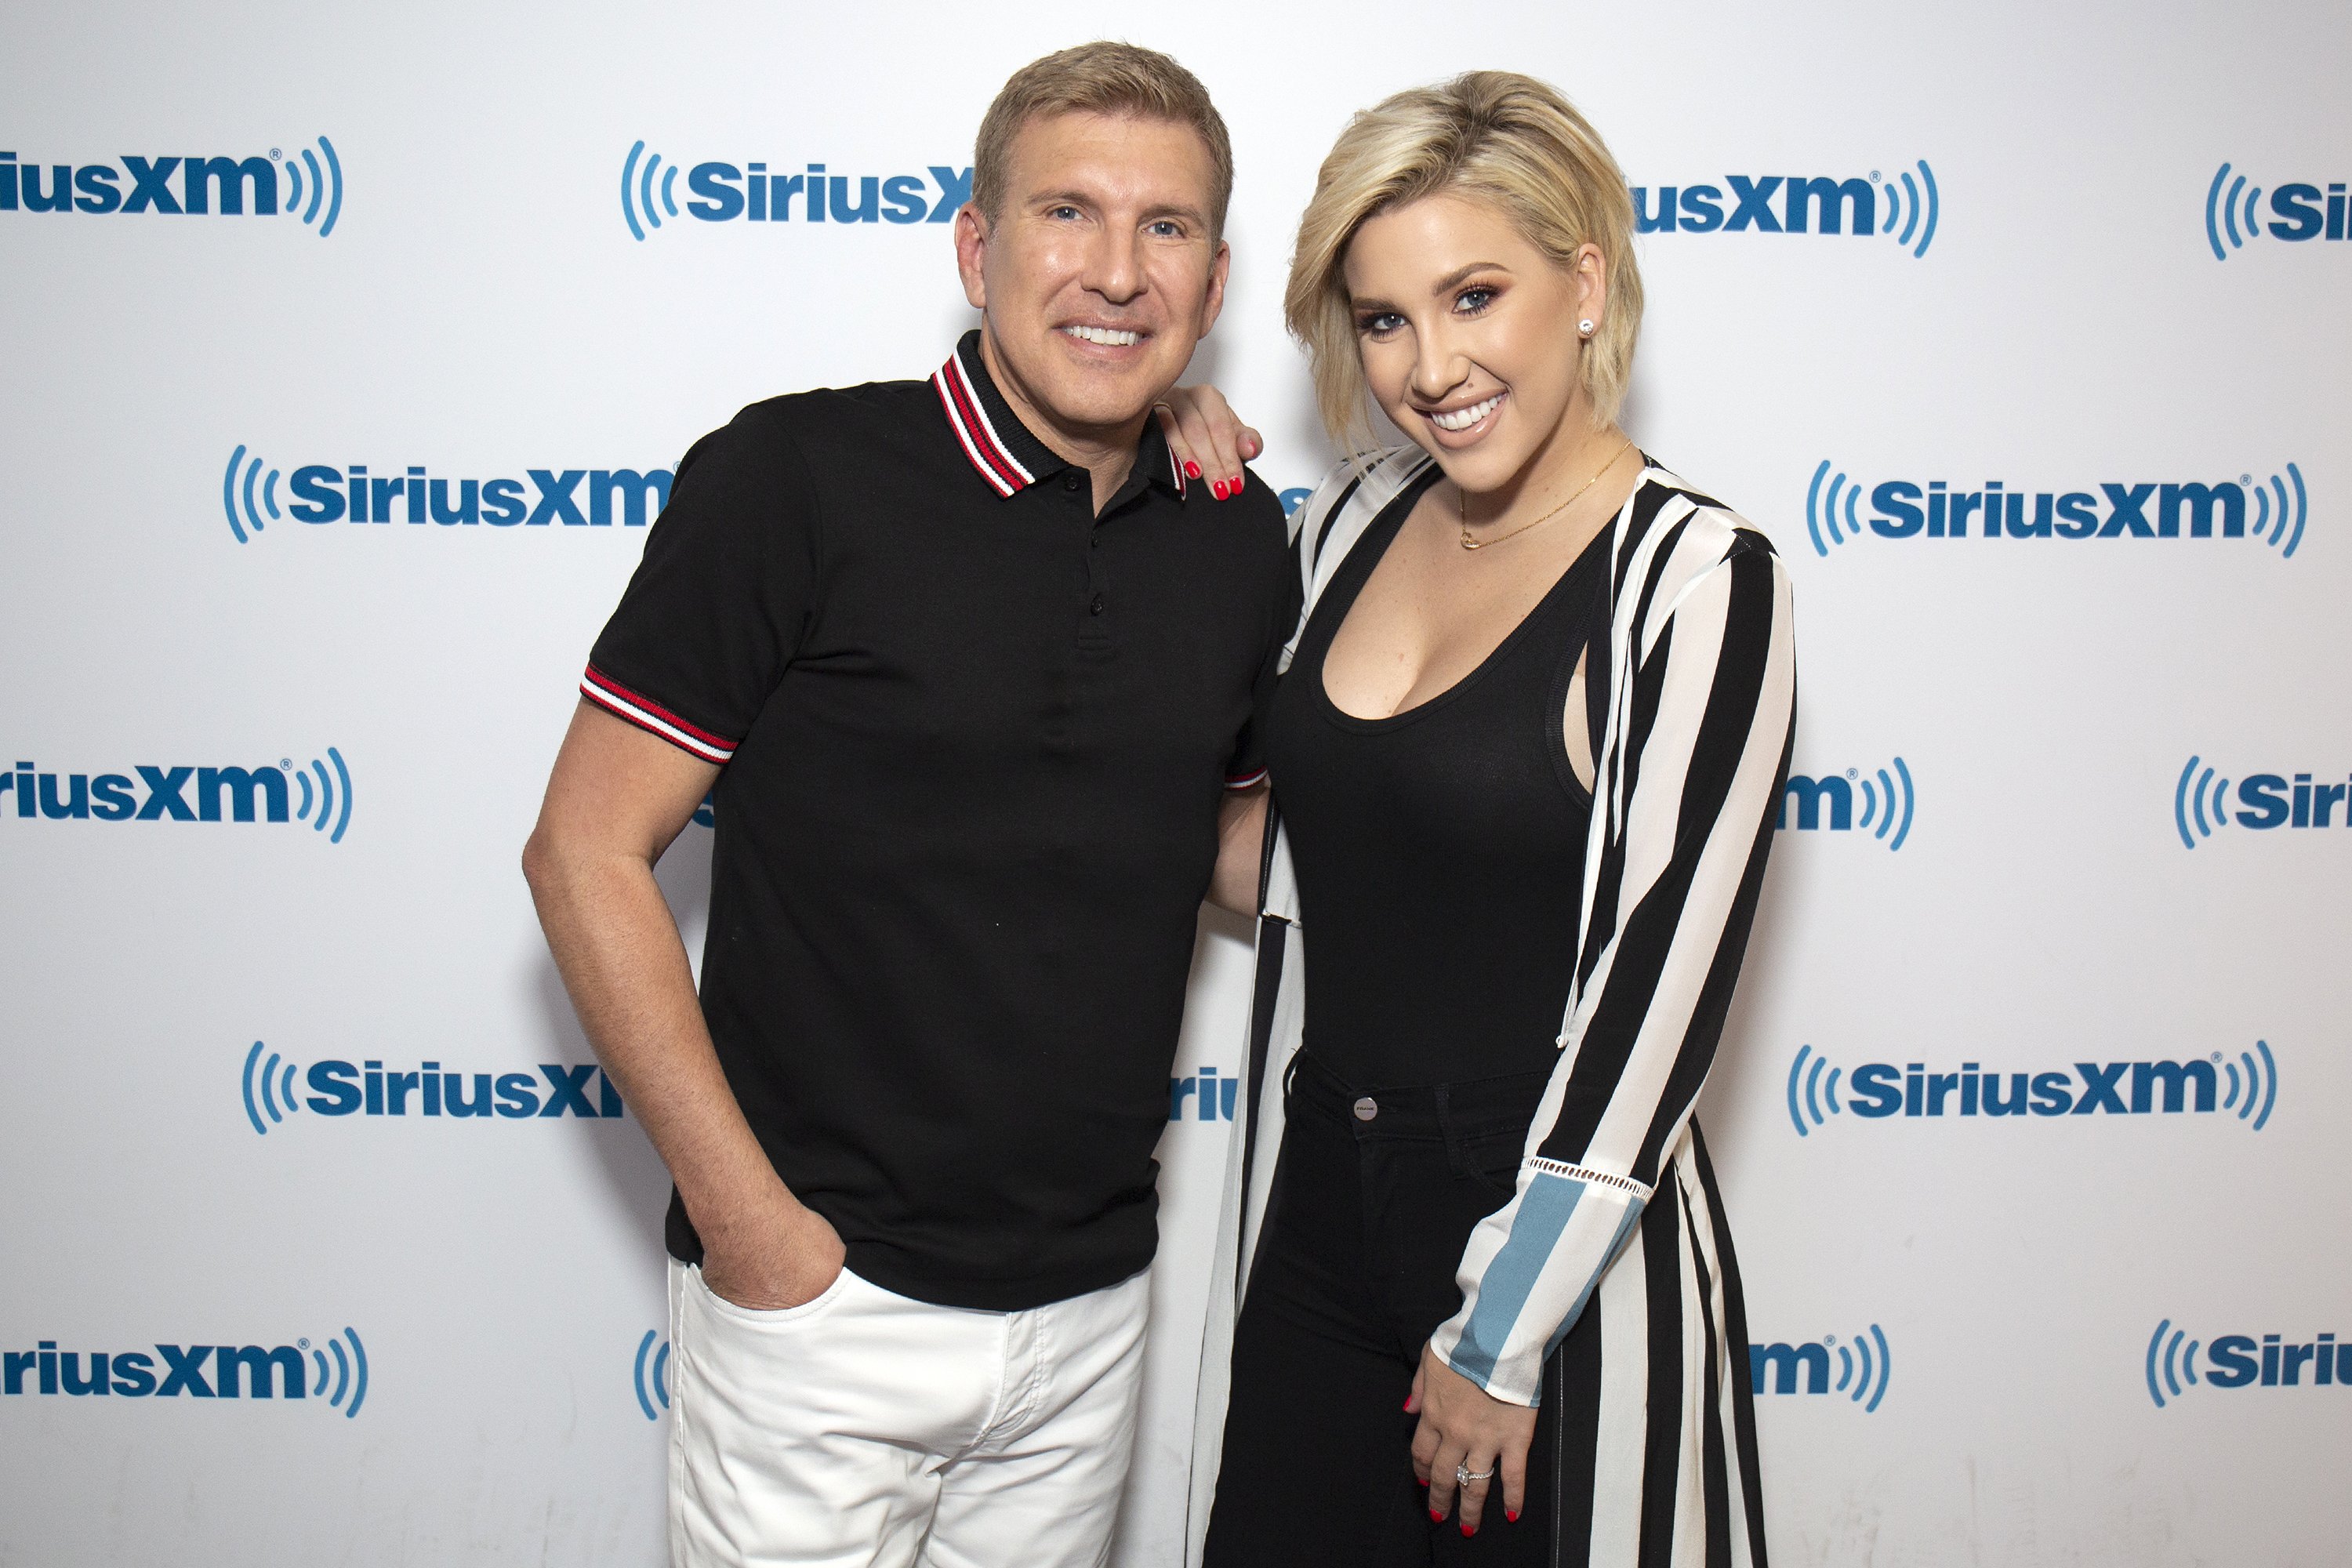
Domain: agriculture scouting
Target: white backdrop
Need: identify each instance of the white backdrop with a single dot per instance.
(2031, 1339)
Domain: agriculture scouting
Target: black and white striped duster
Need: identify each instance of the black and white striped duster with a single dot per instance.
(1616, 1210)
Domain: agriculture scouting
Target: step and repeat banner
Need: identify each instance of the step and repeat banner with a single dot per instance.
(348, 356)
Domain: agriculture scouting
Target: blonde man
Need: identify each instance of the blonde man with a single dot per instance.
(972, 669)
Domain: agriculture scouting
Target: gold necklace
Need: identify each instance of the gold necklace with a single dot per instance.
(1462, 507)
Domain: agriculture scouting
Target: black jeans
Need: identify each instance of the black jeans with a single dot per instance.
(1355, 1270)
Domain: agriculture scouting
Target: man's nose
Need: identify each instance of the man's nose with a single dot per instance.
(1115, 267)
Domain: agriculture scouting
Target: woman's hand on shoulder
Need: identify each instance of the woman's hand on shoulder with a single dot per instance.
(1209, 439)
(1465, 1428)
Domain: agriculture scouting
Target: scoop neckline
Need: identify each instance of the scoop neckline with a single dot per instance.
(1408, 498)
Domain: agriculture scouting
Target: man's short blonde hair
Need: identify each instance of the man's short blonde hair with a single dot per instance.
(1100, 79)
(1492, 136)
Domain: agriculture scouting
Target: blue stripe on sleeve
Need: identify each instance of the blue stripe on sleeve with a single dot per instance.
(1510, 1278)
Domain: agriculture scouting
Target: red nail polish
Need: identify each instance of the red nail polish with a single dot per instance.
(1469, 1529)
(1192, 469)
(1218, 490)
(1435, 1517)
(1420, 1482)
(1511, 1514)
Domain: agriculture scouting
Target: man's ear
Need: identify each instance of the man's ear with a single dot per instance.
(972, 252)
(1212, 303)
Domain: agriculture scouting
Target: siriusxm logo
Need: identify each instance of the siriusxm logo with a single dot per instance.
(343, 1089)
(1862, 1376)
(2264, 801)
(1821, 204)
(2242, 1360)
(236, 794)
(650, 1374)
(722, 191)
(324, 492)
(235, 1371)
(1828, 802)
(1880, 1090)
(2299, 210)
(1212, 1097)
(1901, 509)
(204, 185)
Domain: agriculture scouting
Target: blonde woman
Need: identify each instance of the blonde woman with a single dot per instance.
(1476, 1282)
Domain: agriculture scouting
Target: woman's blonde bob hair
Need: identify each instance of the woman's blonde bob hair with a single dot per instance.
(1493, 136)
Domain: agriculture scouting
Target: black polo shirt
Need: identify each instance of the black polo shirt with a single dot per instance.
(974, 738)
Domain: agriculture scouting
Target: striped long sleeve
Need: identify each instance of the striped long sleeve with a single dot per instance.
(1692, 762)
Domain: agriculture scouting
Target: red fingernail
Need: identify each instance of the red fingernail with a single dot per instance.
(1435, 1517)
(1469, 1529)
(1511, 1514)
(1419, 1480)
(1218, 490)
(1192, 469)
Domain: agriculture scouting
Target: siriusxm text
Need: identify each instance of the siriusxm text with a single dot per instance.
(719, 192)
(2114, 1089)
(200, 1372)
(183, 185)
(575, 498)
(369, 1089)
(2130, 510)
(2241, 1361)
(159, 793)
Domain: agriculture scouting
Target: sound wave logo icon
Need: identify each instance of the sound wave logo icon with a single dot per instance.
(1865, 1365)
(325, 185)
(1888, 800)
(275, 1091)
(2260, 1082)
(351, 1372)
(234, 490)
(1910, 205)
(2202, 803)
(638, 190)
(2179, 1363)
(2222, 213)
(1818, 1093)
(651, 1374)
(334, 796)
(2272, 510)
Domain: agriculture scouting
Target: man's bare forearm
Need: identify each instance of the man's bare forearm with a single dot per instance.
(617, 946)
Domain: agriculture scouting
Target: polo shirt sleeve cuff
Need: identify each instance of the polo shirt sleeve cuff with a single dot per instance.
(654, 719)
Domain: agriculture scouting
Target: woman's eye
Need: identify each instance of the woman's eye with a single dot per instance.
(1379, 323)
(1473, 300)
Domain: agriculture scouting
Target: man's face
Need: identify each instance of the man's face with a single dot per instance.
(1101, 272)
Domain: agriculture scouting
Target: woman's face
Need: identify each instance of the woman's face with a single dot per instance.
(1469, 336)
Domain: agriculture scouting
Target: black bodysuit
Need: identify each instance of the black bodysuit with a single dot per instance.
(1440, 852)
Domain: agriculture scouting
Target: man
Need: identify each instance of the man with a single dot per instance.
(973, 667)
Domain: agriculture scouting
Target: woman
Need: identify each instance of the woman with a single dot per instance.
(1524, 760)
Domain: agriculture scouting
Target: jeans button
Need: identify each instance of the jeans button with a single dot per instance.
(1366, 1109)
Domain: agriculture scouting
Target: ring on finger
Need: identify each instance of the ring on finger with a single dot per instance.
(1464, 1475)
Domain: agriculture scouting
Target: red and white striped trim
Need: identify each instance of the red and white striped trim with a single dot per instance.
(1176, 472)
(647, 714)
(1245, 780)
(989, 454)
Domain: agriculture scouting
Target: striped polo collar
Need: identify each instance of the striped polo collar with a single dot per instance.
(1001, 448)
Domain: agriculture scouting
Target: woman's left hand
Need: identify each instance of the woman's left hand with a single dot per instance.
(1463, 1426)
(1208, 439)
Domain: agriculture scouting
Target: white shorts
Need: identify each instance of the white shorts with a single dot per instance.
(865, 1429)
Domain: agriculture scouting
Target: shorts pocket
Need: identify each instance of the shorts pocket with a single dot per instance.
(765, 1317)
